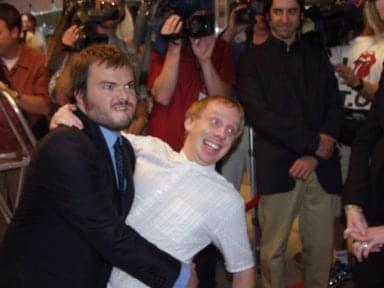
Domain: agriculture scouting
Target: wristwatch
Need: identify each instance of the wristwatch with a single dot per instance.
(359, 86)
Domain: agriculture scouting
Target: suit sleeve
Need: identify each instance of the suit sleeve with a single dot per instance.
(78, 192)
(286, 132)
(358, 180)
(334, 114)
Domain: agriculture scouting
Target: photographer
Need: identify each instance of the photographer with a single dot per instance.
(191, 69)
(241, 35)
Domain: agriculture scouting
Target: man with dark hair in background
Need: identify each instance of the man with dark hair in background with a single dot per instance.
(291, 98)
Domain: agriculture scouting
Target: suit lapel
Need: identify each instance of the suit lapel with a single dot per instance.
(93, 132)
(129, 167)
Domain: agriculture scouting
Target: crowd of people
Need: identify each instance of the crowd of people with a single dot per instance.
(124, 191)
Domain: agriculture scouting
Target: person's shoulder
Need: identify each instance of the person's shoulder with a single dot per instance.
(65, 138)
(311, 46)
(227, 191)
(32, 57)
(148, 144)
(34, 53)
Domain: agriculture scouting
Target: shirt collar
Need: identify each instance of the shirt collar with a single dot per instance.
(110, 137)
(207, 168)
(23, 61)
(282, 45)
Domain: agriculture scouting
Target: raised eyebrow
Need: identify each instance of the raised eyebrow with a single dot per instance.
(130, 83)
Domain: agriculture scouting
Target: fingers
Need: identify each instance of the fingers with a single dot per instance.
(303, 167)
(358, 250)
(299, 171)
(357, 228)
(172, 25)
(65, 116)
(70, 36)
(346, 74)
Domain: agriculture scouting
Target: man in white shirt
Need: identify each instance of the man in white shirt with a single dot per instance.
(181, 204)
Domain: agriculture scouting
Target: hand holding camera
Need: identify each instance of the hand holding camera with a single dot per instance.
(172, 28)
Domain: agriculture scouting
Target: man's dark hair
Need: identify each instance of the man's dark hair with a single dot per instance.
(268, 5)
(10, 15)
(99, 54)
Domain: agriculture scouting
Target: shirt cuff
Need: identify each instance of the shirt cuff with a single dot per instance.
(184, 275)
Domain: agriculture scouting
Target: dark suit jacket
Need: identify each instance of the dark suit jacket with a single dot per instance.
(286, 123)
(67, 231)
(365, 182)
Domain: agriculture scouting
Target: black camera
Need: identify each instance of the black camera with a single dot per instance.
(335, 23)
(197, 26)
(246, 16)
(83, 15)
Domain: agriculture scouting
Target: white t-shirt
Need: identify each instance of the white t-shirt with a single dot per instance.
(181, 207)
(365, 56)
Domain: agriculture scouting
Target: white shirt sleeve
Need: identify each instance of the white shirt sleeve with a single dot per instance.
(231, 238)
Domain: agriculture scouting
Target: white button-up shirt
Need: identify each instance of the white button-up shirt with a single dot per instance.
(182, 206)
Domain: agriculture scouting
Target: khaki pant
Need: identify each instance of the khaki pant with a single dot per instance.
(316, 211)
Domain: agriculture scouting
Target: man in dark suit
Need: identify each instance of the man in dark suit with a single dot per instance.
(291, 98)
(69, 227)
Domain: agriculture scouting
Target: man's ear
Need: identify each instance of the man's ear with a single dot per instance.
(188, 123)
(15, 32)
(79, 97)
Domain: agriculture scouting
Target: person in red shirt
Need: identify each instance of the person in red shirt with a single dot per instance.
(23, 66)
(25, 79)
(188, 71)
(191, 69)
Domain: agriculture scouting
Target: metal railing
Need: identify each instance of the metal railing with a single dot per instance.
(20, 158)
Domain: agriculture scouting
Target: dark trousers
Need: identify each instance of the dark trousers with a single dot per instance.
(205, 262)
(369, 273)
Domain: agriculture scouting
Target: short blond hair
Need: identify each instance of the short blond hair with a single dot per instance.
(197, 107)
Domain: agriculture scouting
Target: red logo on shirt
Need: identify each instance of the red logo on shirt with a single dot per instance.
(363, 64)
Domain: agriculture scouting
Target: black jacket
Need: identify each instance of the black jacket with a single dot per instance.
(67, 231)
(290, 97)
